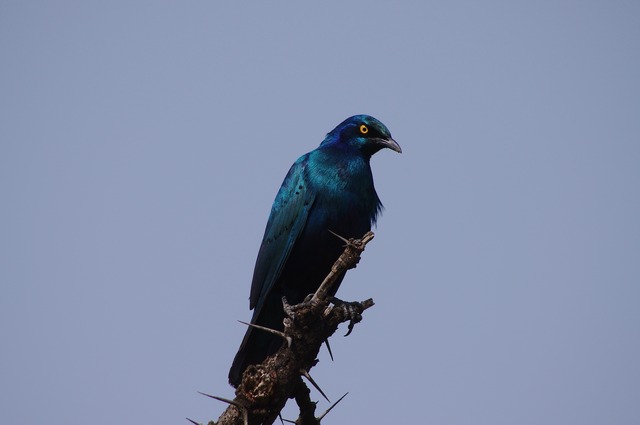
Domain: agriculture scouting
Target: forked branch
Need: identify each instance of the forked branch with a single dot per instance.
(266, 387)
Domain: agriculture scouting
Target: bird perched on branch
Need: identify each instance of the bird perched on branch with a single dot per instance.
(329, 189)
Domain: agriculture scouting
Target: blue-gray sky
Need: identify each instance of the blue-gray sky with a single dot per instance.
(142, 143)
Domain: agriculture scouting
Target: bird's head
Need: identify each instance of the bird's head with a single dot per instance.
(364, 133)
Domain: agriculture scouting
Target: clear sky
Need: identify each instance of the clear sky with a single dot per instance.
(142, 143)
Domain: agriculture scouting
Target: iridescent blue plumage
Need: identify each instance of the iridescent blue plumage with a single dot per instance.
(329, 188)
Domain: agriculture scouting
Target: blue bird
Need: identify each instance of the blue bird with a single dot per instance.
(329, 189)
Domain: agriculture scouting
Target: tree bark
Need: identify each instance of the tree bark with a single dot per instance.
(266, 387)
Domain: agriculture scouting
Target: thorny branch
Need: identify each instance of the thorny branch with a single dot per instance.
(265, 388)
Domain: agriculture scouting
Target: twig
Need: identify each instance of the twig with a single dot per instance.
(347, 260)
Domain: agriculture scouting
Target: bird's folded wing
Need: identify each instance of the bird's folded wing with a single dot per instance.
(286, 222)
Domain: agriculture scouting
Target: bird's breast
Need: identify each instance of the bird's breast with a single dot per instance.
(345, 201)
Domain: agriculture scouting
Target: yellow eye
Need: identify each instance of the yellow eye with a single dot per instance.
(364, 129)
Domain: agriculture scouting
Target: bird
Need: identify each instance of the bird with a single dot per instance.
(327, 192)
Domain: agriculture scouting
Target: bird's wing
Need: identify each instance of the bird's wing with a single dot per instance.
(288, 217)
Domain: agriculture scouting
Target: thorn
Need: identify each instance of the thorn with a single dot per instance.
(332, 406)
(346, 241)
(326, 341)
(225, 400)
(306, 375)
(272, 331)
(284, 420)
(240, 407)
(192, 421)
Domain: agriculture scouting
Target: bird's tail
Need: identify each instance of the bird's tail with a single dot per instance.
(240, 360)
(256, 345)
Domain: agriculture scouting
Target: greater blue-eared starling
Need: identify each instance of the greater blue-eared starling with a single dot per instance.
(329, 189)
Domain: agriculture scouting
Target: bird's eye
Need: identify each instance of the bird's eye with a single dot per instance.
(364, 129)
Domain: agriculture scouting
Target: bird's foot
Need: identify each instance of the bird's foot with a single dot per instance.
(296, 312)
(289, 312)
(351, 311)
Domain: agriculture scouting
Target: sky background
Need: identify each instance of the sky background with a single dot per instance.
(142, 143)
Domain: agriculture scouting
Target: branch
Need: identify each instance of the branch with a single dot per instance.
(266, 387)
(347, 260)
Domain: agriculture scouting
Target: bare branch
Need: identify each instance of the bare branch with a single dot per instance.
(347, 260)
(266, 387)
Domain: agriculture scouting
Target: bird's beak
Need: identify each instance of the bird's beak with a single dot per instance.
(389, 143)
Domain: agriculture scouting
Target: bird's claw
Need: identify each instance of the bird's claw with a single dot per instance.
(351, 310)
(291, 310)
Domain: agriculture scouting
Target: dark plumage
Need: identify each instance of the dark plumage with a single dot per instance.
(329, 188)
